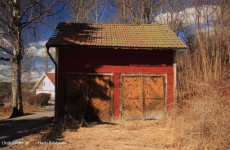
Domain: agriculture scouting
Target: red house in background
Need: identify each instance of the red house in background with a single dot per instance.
(109, 71)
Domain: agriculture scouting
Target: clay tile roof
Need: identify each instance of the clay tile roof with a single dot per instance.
(115, 35)
(51, 76)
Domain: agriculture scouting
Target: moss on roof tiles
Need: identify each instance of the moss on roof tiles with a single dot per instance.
(114, 35)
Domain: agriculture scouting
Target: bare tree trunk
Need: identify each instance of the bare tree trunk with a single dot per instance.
(16, 62)
(124, 20)
(16, 89)
(137, 11)
(146, 7)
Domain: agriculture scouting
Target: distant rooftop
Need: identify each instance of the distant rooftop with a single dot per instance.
(115, 36)
(51, 76)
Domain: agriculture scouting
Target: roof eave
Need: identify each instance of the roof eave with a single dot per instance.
(38, 82)
(119, 47)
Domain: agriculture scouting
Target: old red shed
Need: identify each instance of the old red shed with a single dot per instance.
(112, 71)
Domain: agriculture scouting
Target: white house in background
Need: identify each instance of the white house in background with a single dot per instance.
(46, 84)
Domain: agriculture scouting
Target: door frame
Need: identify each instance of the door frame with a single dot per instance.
(86, 73)
(145, 74)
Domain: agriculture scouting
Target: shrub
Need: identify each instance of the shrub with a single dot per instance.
(40, 99)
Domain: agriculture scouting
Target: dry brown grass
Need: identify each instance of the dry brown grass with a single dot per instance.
(203, 124)
(203, 121)
(117, 135)
(203, 87)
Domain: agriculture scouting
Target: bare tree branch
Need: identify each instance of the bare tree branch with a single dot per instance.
(40, 15)
(5, 50)
(30, 6)
(5, 59)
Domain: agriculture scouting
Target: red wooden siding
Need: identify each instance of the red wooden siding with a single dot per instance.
(116, 61)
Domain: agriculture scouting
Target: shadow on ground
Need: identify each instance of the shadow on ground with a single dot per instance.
(11, 130)
(54, 131)
(16, 128)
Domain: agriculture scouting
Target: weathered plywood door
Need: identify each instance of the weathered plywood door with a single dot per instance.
(88, 96)
(142, 97)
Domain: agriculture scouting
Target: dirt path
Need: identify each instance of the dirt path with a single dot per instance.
(14, 129)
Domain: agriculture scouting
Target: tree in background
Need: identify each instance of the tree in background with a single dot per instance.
(28, 67)
(87, 11)
(208, 41)
(19, 22)
(172, 13)
(136, 11)
(150, 12)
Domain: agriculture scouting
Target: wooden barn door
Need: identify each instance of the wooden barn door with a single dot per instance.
(100, 96)
(153, 97)
(132, 104)
(88, 96)
(142, 97)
